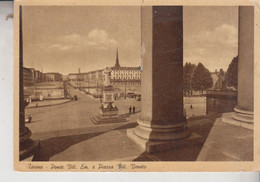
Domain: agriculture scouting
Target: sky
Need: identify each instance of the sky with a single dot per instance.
(210, 36)
(64, 39)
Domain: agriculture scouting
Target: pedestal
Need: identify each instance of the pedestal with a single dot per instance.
(220, 101)
(27, 146)
(107, 115)
(108, 112)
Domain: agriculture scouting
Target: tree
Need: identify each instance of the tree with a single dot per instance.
(232, 73)
(201, 79)
(188, 70)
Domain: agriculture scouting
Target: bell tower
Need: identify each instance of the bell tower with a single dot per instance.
(117, 65)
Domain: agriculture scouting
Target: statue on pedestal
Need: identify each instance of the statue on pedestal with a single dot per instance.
(220, 84)
(108, 112)
(108, 91)
(106, 73)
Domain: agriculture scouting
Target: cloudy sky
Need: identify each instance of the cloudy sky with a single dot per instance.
(64, 39)
(210, 35)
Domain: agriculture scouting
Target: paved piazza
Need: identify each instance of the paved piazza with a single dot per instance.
(77, 114)
(67, 133)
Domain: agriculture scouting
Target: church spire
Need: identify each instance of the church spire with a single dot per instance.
(117, 65)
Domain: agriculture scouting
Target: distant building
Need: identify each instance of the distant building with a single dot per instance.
(39, 76)
(36, 86)
(119, 76)
(28, 77)
(92, 78)
(32, 76)
(53, 77)
(124, 75)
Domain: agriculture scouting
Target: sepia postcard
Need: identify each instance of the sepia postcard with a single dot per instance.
(136, 86)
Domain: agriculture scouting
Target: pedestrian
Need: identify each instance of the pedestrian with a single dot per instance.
(29, 119)
(133, 109)
(191, 106)
(130, 109)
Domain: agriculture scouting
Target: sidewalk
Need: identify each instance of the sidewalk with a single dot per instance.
(227, 142)
(47, 103)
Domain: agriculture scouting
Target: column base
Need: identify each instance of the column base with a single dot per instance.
(152, 130)
(152, 146)
(243, 115)
(27, 146)
(237, 120)
(107, 115)
(154, 137)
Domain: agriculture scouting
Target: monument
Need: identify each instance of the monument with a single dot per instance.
(220, 98)
(220, 82)
(108, 112)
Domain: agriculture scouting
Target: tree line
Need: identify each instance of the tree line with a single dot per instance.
(199, 78)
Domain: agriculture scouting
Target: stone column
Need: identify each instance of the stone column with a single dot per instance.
(244, 111)
(26, 146)
(161, 124)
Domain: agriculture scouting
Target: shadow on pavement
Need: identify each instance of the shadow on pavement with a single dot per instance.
(126, 126)
(53, 146)
(201, 126)
(126, 115)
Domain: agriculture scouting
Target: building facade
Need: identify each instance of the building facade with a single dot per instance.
(53, 77)
(32, 76)
(88, 79)
(124, 75)
(119, 76)
(39, 76)
(28, 77)
(34, 89)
